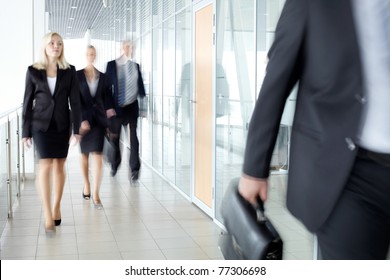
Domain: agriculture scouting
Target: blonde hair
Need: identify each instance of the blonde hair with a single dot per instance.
(43, 62)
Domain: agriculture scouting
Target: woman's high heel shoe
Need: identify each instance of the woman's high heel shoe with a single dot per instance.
(57, 222)
(86, 196)
(50, 231)
(98, 205)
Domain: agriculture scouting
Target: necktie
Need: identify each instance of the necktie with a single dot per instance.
(127, 84)
(121, 85)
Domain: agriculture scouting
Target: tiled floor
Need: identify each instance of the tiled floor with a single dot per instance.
(150, 220)
(298, 243)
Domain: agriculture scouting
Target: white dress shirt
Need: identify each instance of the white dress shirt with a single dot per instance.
(375, 55)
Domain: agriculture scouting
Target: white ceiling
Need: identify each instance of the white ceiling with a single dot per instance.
(72, 18)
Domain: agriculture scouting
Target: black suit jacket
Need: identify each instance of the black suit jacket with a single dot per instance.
(315, 45)
(39, 106)
(93, 106)
(112, 87)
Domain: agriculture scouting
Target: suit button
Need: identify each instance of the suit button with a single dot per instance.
(361, 99)
(350, 144)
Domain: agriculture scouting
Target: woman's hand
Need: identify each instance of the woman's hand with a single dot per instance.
(84, 127)
(110, 113)
(27, 142)
(74, 140)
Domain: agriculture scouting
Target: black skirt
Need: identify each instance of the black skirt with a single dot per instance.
(51, 143)
(93, 141)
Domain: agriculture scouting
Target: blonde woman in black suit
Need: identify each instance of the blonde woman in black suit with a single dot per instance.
(51, 86)
(92, 89)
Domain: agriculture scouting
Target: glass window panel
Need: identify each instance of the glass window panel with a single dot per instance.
(169, 123)
(136, 19)
(235, 87)
(180, 4)
(146, 22)
(118, 21)
(157, 108)
(168, 8)
(183, 96)
(157, 12)
(146, 143)
(262, 42)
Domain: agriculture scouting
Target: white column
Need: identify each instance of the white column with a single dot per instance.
(16, 50)
(19, 42)
(40, 25)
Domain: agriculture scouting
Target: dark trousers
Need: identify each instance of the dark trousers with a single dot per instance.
(359, 226)
(130, 118)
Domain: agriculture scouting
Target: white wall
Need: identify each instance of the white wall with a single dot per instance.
(22, 25)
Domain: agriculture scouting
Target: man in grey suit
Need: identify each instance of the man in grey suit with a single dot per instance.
(124, 84)
(339, 177)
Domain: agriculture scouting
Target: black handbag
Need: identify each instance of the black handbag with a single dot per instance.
(108, 150)
(250, 235)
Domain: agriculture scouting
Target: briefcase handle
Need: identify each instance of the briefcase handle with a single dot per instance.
(261, 218)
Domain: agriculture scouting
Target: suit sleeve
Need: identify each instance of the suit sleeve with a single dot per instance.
(27, 106)
(84, 106)
(283, 71)
(109, 99)
(141, 86)
(101, 101)
(75, 101)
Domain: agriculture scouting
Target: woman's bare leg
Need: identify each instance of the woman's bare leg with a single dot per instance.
(45, 167)
(85, 171)
(98, 160)
(59, 183)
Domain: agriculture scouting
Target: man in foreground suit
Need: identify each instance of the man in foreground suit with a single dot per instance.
(124, 82)
(339, 177)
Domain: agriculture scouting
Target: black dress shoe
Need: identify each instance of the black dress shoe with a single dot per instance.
(57, 222)
(135, 175)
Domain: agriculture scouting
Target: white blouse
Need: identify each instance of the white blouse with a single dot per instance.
(52, 84)
(93, 86)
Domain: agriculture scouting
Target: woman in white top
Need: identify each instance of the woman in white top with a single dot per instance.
(51, 85)
(92, 90)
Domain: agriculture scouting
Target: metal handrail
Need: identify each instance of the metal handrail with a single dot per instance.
(12, 137)
(9, 168)
(9, 112)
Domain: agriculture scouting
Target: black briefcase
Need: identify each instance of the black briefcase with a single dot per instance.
(108, 150)
(250, 235)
